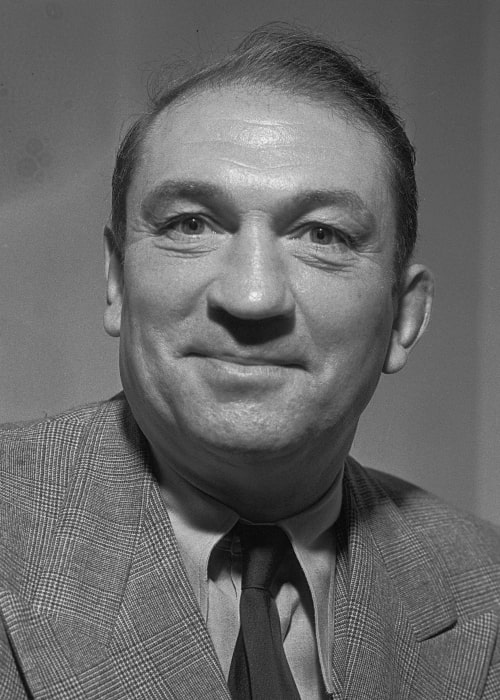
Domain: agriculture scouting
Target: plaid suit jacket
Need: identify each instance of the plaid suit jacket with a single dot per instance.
(95, 603)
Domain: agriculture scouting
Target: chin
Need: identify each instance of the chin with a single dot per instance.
(247, 433)
(253, 446)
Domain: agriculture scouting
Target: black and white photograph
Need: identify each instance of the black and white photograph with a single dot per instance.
(249, 350)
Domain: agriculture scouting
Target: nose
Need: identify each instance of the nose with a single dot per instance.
(252, 281)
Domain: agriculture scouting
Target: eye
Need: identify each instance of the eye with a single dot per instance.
(189, 225)
(323, 235)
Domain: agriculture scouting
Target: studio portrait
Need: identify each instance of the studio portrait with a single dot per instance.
(249, 374)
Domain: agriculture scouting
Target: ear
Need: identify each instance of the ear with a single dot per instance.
(412, 316)
(114, 287)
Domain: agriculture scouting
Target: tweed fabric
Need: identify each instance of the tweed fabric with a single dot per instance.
(95, 602)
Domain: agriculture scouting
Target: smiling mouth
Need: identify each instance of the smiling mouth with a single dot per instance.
(250, 360)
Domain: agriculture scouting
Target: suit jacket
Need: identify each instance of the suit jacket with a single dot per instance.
(95, 602)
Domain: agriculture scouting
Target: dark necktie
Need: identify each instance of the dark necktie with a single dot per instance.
(259, 669)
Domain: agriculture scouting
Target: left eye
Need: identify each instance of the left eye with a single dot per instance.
(323, 235)
(189, 225)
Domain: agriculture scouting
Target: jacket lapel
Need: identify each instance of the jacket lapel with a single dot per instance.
(114, 615)
(396, 632)
(160, 622)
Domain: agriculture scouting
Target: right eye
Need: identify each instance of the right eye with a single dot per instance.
(188, 225)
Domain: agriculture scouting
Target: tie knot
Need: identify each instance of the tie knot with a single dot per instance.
(263, 548)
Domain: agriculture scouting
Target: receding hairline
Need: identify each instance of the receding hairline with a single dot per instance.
(336, 102)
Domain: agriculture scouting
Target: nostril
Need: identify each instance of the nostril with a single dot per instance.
(253, 331)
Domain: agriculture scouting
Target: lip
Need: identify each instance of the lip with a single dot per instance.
(234, 375)
(250, 360)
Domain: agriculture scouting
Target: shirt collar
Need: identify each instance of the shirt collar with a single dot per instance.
(198, 513)
(199, 521)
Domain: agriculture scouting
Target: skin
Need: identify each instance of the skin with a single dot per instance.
(255, 304)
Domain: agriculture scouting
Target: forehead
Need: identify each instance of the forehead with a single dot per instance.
(264, 143)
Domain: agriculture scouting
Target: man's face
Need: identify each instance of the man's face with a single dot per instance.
(255, 304)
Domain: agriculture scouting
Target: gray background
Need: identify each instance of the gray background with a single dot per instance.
(73, 73)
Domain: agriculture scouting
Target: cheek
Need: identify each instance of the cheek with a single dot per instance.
(351, 333)
(159, 293)
(349, 317)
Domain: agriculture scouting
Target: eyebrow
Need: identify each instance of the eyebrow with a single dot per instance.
(192, 190)
(293, 206)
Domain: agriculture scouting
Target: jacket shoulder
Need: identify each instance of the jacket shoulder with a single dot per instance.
(37, 460)
(32, 452)
(433, 516)
(462, 547)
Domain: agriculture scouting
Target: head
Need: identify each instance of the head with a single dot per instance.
(252, 281)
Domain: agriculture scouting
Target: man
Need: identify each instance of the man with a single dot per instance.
(259, 278)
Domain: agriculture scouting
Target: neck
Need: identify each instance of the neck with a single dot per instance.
(258, 487)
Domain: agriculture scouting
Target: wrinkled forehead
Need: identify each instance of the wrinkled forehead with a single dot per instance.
(260, 117)
(242, 100)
